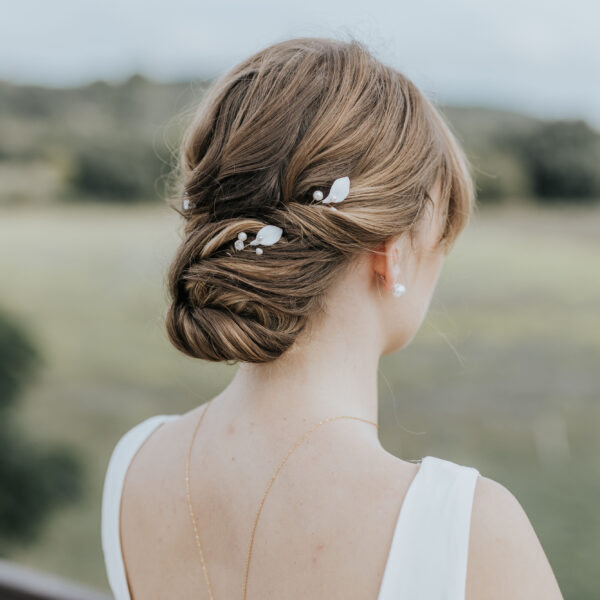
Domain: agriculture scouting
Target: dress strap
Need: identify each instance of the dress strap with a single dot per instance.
(430, 547)
(119, 462)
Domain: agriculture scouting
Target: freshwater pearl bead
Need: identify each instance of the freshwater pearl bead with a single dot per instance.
(239, 245)
(242, 236)
(259, 251)
(318, 195)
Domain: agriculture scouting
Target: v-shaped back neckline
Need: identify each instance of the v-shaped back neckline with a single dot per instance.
(417, 508)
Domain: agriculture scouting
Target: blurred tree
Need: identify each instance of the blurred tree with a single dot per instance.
(563, 160)
(35, 478)
(18, 360)
(115, 170)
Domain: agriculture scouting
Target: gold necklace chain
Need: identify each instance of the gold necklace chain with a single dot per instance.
(277, 470)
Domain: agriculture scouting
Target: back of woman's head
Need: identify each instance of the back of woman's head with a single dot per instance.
(285, 122)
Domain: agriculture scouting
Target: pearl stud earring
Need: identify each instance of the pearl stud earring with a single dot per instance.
(398, 289)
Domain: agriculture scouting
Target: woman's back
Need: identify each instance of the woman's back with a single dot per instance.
(331, 526)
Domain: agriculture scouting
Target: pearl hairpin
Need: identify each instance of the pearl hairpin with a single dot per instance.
(239, 243)
(270, 234)
(267, 236)
(187, 204)
(338, 192)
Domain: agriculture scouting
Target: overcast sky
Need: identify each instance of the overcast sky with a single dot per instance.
(537, 57)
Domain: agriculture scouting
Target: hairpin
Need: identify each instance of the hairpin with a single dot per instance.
(270, 234)
(186, 201)
(340, 188)
(267, 236)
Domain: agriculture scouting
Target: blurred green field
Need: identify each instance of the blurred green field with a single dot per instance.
(504, 374)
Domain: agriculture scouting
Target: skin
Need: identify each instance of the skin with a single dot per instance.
(327, 523)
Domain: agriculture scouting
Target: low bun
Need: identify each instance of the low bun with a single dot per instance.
(218, 335)
(230, 306)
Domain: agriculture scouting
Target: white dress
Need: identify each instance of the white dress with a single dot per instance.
(428, 555)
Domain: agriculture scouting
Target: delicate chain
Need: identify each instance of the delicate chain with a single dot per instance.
(277, 470)
(187, 485)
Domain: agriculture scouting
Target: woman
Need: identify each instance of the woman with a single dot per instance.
(320, 192)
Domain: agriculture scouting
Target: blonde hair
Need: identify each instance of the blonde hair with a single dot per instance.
(286, 121)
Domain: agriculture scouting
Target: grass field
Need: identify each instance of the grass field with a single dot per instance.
(504, 374)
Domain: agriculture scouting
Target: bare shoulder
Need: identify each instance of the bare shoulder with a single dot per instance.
(506, 558)
(163, 442)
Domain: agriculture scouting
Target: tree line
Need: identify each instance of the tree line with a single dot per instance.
(115, 142)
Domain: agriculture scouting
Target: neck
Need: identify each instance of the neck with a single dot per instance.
(330, 371)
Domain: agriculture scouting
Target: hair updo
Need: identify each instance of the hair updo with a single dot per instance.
(285, 122)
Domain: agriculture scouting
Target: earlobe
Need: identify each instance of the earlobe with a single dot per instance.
(387, 267)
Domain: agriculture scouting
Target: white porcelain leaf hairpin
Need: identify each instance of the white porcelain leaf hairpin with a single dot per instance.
(340, 188)
(266, 236)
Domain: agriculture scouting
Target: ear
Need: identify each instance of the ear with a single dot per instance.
(386, 261)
